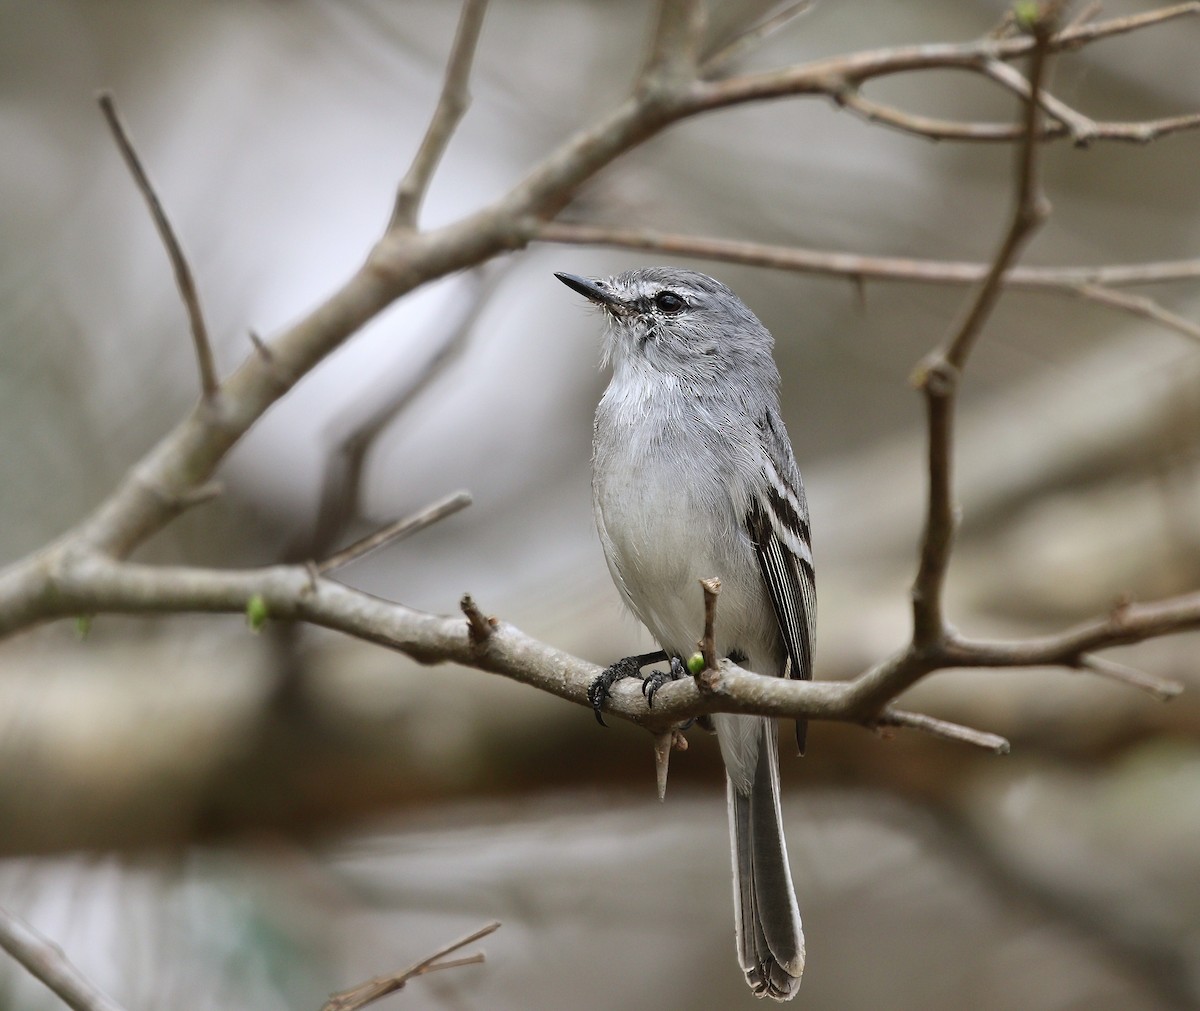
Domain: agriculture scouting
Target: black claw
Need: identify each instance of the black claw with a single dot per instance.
(629, 667)
(598, 690)
(655, 680)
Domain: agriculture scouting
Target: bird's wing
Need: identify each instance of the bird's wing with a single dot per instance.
(779, 533)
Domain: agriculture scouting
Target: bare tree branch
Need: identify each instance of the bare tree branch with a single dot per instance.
(396, 531)
(1163, 689)
(374, 989)
(96, 584)
(1089, 283)
(892, 717)
(45, 961)
(674, 44)
(933, 128)
(451, 106)
(840, 76)
(342, 485)
(209, 383)
(1082, 129)
(84, 572)
(938, 376)
(715, 63)
(1139, 305)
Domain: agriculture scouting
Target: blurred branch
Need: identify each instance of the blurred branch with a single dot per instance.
(183, 274)
(1068, 123)
(402, 528)
(379, 987)
(1090, 283)
(342, 485)
(841, 77)
(452, 105)
(674, 44)
(752, 37)
(45, 961)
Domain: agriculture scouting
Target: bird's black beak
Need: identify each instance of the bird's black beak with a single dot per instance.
(588, 289)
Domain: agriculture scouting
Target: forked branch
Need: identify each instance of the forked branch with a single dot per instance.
(375, 989)
(451, 107)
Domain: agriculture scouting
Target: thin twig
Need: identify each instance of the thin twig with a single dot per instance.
(396, 531)
(374, 989)
(1163, 689)
(1140, 305)
(935, 128)
(1079, 32)
(375, 411)
(938, 377)
(855, 265)
(755, 34)
(45, 961)
(452, 105)
(842, 75)
(674, 44)
(1083, 129)
(183, 274)
(892, 717)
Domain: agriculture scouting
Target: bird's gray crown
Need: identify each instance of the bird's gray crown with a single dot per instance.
(679, 322)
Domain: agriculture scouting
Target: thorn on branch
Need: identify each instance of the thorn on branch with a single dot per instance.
(374, 989)
(479, 627)
(209, 384)
(664, 744)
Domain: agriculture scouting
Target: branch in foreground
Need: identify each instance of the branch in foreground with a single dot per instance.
(93, 584)
(374, 989)
(45, 960)
(183, 274)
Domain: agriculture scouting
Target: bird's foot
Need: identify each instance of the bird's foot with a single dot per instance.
(629, 667)
(653, 681)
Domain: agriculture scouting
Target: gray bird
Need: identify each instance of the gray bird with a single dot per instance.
(693, 476)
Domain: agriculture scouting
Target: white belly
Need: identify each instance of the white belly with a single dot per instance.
(665, 526)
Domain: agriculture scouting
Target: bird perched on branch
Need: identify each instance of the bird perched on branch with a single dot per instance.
(693, 477)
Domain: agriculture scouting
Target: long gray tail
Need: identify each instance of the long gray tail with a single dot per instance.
(770, 940)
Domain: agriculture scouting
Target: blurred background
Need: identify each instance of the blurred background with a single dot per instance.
(205, 817)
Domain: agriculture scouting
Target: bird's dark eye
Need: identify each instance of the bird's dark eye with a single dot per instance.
(669, 302)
